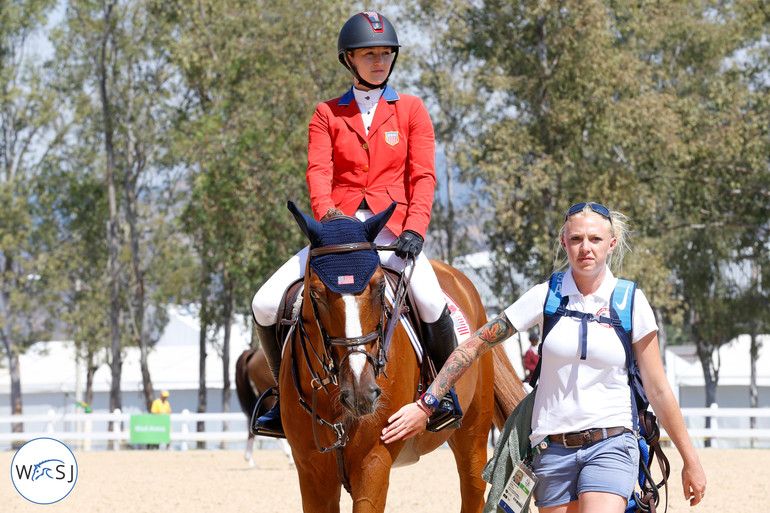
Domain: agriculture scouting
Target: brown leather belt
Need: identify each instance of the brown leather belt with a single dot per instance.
(587, 437)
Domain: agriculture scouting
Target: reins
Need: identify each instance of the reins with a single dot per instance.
(650, 498)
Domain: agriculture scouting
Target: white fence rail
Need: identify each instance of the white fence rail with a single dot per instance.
(95, 427)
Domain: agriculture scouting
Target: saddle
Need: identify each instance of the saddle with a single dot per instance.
(288, 311)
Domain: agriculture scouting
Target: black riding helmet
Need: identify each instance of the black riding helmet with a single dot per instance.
(365, 30)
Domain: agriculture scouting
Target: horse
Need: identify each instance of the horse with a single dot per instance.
(343, 375)
(252, 378)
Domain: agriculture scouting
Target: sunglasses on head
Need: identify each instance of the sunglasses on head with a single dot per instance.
(596, 207)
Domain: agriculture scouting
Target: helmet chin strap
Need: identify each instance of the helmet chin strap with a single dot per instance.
(365, 83)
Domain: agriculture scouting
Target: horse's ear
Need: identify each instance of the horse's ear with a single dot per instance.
(375, 224)
(309, 226)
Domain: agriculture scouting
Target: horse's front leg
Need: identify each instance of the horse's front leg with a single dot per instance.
(318, 482)
(369, 485)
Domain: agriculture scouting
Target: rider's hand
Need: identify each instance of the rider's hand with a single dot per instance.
(407, 422)
(332, 212)
(409, 243)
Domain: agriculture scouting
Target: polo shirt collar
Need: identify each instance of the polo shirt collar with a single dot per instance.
(569, 288)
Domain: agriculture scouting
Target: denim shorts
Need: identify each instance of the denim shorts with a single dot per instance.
(610, 465)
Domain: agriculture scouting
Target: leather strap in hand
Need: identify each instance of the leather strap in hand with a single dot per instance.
(332, 212)
(408, 244)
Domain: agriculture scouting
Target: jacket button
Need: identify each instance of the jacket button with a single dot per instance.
(365, 146)
(366, 168)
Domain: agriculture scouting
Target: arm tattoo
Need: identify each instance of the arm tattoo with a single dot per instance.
(497, 330)
(494, 332)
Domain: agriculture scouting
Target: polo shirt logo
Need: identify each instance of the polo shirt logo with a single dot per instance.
(391, 137)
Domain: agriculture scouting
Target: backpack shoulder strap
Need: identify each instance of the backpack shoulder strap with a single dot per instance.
(621, 312)
(553, 308)
(553, 299)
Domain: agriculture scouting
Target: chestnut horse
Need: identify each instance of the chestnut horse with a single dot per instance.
(340, 380)
(252, 378)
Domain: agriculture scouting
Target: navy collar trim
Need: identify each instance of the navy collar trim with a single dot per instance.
(389, 94)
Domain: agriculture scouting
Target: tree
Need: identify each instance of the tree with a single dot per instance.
(27, 117)
(639, 106)
(117, 50)
(254, 72)
(444, 74)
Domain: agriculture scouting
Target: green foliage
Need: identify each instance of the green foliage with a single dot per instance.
(660, 110)
(256, 71)
(25, 114)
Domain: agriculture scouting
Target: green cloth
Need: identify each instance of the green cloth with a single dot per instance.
(512, 447)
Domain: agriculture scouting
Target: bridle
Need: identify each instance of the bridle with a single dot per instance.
(381, 334)
(353, 344)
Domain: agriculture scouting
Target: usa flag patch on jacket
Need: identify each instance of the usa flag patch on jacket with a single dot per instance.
(391, 137)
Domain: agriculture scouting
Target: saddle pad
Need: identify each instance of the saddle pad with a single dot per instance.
(462, 328)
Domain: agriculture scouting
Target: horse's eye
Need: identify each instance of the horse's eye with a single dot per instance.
(315, 295)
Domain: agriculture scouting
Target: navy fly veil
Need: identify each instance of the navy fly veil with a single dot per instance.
(343, 272)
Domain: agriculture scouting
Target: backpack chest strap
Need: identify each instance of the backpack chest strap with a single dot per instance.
(585, 318)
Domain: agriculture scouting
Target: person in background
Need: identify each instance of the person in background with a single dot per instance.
(161, 404)
(583, 394)
(531, 357)
(367, 149)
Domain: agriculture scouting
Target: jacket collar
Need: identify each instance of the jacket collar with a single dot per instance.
(389, 94)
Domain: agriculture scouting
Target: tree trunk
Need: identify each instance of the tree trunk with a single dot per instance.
(754, 352)
(228, 324)
(710, 377)
(113, 237)
(203, 321)
(13, 370)
(90, 373)
(753, 390)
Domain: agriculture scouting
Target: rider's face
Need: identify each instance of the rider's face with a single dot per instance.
(373, 64)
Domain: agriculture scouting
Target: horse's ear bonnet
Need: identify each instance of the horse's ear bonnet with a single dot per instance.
(343, 273)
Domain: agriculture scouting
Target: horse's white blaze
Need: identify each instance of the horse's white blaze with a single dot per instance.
(353, 329)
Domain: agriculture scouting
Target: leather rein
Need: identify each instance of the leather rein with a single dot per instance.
(330, 370)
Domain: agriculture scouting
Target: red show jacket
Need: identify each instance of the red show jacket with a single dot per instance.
(395, 162)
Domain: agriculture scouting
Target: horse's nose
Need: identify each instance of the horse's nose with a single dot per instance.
(361, 402)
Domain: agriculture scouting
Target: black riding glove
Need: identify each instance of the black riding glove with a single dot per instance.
(408, 244)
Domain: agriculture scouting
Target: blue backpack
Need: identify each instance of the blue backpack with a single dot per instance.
(621, 315)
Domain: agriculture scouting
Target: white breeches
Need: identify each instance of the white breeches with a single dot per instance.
(424, 284)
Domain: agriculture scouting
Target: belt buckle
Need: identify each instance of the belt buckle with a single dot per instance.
(585, 437)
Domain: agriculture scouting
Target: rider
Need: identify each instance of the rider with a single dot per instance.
(367, 149)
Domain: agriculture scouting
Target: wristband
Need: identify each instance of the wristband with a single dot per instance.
(424, 408)
(430, 401)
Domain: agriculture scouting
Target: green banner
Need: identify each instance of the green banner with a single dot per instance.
(150, 428)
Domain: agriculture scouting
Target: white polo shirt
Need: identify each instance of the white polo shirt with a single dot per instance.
(575, 394)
